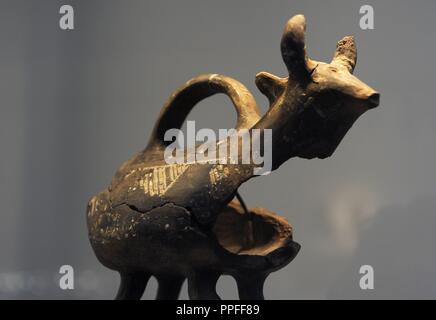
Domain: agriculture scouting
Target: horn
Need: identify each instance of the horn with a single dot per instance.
(293, 48)
(346, 53)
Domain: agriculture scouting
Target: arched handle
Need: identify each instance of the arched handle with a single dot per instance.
(183, 100)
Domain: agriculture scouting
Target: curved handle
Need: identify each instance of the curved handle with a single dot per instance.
(183, 100)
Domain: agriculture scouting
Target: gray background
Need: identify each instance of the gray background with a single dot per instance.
(75, 104)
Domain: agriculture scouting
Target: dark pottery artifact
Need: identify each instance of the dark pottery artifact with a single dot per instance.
(178, 221)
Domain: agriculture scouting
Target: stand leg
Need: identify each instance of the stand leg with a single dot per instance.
(169, 287)
(132, 285)
(250, 286)
(201, 285)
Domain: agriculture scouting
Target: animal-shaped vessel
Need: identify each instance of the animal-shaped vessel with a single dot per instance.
(181, 221)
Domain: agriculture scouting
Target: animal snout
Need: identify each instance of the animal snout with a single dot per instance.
(374, 100)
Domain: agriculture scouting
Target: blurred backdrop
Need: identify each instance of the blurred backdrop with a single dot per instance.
(76, 104)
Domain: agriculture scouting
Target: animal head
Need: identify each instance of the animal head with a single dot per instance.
(325, 99)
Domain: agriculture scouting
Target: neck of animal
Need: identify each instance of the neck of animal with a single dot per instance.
(282, 119)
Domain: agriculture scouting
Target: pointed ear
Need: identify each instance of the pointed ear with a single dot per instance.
(293, 48)
(346, 53)
(270, 85)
